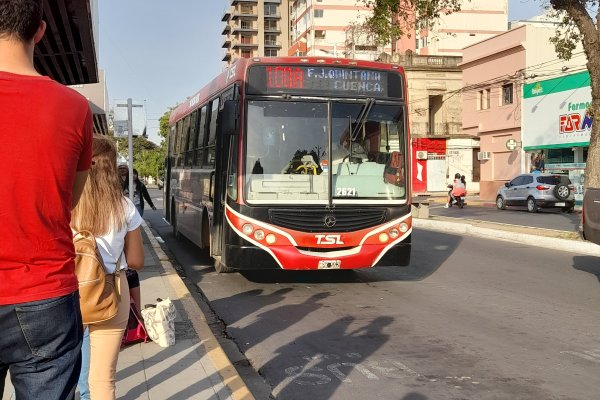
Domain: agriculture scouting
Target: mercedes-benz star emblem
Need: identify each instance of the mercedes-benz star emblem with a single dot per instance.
(329, 221)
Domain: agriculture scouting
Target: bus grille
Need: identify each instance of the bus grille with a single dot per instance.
(311, 220)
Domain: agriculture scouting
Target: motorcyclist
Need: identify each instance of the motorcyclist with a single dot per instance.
(457, 189)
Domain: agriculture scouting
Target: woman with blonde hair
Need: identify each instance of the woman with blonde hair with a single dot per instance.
(115, 222)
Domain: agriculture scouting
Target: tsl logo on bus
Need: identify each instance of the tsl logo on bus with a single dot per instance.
(329, 239)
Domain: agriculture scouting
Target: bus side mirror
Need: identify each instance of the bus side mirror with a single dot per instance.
(229, 118)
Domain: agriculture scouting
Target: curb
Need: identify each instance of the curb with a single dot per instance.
(461, 228)
(231, 378)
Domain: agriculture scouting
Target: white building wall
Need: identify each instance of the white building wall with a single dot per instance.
(477, 21)
(460, 159)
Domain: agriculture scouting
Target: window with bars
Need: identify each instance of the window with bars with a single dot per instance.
(507, 94)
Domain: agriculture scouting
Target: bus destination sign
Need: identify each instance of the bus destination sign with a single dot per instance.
(322, 80)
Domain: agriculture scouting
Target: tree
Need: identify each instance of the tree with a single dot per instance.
(163, 123)
(581, 20)
(392, 19)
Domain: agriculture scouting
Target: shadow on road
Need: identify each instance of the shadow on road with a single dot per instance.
(301, 370)
(587, 264)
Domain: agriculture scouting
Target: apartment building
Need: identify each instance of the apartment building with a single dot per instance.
(255, 28)
(476, 21)
(324, 28)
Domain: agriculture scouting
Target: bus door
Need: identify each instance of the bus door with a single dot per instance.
(226, 142)
(219, 190)
(167, 177)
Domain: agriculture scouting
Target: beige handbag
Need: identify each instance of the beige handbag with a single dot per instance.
(99, 294)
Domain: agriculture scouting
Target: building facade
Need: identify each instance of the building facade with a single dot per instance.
(476, 21)
(494, 72)
(255, 28)
(328, 28)
(557, 122)
(439, 147)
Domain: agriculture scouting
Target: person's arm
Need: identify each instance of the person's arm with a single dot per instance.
(134, 249)
(147, 196)
(78, 185)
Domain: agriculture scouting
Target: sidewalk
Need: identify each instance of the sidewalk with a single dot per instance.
(193, 368)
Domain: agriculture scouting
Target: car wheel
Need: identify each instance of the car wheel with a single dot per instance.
(500, 203)
(562, 192)
(531, 206)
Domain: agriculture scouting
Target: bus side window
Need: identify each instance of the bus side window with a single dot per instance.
(189, 153)
(178, 144)
(185, 139)
(211, 145)
(198, 155)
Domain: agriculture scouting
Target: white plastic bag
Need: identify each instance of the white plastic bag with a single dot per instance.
(160, 322)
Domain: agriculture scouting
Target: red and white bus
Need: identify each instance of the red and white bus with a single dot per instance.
(294, 163)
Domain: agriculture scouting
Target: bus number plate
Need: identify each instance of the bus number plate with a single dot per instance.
(329, 264)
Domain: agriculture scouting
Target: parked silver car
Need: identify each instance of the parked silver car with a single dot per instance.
(537, 190)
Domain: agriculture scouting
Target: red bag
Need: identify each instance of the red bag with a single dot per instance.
(394, 169)
(135, 331)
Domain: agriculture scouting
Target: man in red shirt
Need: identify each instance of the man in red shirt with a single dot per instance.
(46, 136)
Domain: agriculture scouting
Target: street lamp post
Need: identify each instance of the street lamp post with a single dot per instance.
(130, 106)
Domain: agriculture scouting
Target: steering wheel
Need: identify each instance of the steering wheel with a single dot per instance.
(306, 169)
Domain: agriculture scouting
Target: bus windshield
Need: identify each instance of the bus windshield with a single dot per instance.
(289, 160)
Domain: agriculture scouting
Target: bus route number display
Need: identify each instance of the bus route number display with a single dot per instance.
(328, 80)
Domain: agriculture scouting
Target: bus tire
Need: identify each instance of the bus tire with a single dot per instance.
(221, 268)
(205, 232)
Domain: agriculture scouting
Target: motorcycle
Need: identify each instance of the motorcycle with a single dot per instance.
(458, 200)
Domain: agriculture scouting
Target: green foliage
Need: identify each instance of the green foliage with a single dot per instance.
(392, 19)
(150, 162)
(163, 123)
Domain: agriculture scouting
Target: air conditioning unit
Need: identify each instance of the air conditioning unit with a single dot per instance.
(484, 155)
(421, 155)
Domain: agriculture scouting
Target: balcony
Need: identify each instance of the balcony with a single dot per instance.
(226, 30)
(234, 2)
(227, 56)
(272, 43)
(273, 1)
(272, 29)
(226, 14)
(273, 15)
(245, 12)
(244, 44)
(227, 43)
(242, 28)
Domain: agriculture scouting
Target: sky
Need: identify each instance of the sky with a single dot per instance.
(159, 52)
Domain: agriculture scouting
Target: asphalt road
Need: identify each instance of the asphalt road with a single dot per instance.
(468, 319)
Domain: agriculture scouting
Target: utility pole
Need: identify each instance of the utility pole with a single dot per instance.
(130, 106)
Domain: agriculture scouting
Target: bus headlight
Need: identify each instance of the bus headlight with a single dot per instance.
(383, 237)
(248, 229)
(403, 227)
(259, 235)
(394, 233)
(271, 239)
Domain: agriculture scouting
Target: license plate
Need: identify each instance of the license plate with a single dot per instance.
(560, 204)
(329, 264)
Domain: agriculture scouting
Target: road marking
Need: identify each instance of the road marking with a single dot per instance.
(311, 374)
(590, 355)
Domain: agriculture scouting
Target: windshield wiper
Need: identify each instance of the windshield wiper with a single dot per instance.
(362, 117)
